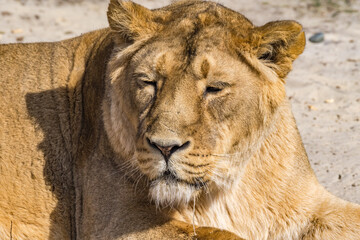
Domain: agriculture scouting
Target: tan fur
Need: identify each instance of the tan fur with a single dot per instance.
(84, 121)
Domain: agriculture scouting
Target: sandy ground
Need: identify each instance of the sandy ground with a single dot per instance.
(324, 86)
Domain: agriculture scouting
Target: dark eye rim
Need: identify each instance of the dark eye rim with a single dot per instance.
(212, 90)
(144, 80)
(148, 82)
(216, 87)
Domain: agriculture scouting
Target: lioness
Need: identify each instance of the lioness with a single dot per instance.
(181, 108)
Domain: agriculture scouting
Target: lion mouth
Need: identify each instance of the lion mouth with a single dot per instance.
(170, 190)
(170, 178)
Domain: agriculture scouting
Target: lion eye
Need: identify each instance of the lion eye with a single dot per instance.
(144, 82)
(212, 90)
(216, 87)
(147, 82)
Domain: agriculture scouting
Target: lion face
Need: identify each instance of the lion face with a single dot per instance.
(191, 118)
(188, 104)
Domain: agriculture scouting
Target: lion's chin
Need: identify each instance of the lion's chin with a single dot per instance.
(165, 192)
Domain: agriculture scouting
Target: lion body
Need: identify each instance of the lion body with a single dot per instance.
(77, 133)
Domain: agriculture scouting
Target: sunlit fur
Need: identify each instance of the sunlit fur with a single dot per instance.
(244, 162)
(79, 119)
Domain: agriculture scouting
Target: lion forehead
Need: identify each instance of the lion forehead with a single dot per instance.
(173, 57)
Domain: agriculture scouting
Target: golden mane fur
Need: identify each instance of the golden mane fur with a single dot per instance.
(171, 121)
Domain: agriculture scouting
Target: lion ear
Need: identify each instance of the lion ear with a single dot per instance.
(278, 44)
(132, 21)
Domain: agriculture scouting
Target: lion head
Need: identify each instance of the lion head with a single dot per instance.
(192, 89)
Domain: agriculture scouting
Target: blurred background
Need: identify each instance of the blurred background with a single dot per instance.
(324, 87)
(51, 20)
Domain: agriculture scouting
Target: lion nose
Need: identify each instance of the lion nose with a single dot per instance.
(167, 149)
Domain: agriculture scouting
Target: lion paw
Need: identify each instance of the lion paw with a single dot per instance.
(207, 233)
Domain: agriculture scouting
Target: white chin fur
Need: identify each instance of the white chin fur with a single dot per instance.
(171, 193)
